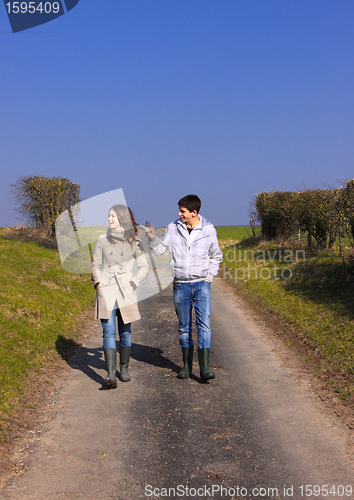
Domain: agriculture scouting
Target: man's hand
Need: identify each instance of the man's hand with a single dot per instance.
(150, 232)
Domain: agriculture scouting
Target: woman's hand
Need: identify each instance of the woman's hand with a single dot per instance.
(133, 285)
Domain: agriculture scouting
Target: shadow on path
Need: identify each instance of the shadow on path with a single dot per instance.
(89, 360)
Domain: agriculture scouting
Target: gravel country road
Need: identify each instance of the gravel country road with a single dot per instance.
(257, 426)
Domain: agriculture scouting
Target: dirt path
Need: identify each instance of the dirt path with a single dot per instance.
(257, 426)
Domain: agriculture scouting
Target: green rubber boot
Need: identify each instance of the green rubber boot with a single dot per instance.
(203, 358)
(187, 355)
(110, 356)
(124, 363)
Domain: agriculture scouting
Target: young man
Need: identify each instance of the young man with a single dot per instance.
(195, 257)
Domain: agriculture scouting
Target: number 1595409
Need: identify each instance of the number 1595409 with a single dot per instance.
(32, 8)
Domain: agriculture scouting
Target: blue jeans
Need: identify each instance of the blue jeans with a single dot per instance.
(186, 295)
(110, 330)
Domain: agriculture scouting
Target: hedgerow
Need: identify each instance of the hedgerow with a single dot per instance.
(324, 215)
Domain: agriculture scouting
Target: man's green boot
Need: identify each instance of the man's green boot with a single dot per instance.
(203, 358)
(187, 355)
(124, 353)
(110, 357)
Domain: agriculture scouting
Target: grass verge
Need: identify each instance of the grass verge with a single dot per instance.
(310, 296)
(39, 308)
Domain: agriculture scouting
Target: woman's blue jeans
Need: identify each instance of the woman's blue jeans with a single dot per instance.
(186, 295)
(109, 327)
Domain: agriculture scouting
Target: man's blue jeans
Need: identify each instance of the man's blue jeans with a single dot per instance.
(109, 327)
(186, 295)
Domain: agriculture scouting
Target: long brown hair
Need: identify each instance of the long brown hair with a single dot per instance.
(127, 220)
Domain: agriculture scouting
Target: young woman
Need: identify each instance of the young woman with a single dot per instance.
(118, 267)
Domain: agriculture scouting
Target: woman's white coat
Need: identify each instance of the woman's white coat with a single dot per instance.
(114, 266)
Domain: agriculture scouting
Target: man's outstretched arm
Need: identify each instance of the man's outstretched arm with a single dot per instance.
(158, 246)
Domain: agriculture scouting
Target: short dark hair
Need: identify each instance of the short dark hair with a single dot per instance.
(191, 202)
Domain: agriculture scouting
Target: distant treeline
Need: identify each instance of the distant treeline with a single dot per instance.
(326, 215)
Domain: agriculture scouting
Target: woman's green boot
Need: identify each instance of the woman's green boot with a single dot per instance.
(110, 357)
(124, 353)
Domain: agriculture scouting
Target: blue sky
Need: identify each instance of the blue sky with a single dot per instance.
(164, 98)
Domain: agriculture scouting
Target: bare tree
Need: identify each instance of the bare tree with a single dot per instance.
(42, 199)
(253, 216)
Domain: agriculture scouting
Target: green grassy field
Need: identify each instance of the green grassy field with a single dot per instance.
(40, 306)
(310, 294)
(229, 235)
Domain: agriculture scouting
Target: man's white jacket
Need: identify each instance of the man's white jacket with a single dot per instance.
(193, 256)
